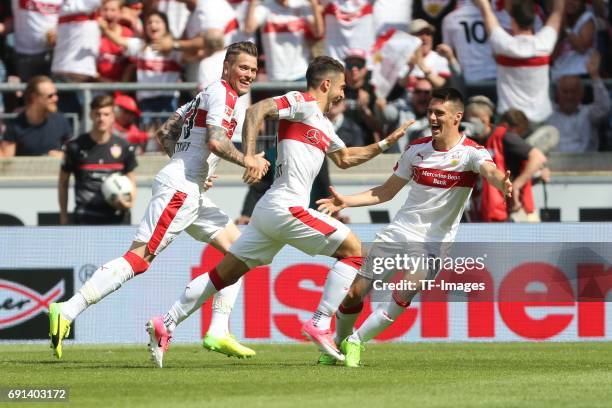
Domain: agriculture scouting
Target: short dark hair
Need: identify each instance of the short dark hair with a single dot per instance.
(319, 67)
(102, 101)
(32, 86)
(523, 12)
(237, 48)
(449, 95)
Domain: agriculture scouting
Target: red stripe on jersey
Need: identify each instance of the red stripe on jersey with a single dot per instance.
(522, 62)
(231, 26)
(302, 133)
(158, 65)
(469, 142)
(340, 15)
(38, 7)
(75, 18)
(231, 96)
(295, 26)
(282, 103)
(382, 40)
(102, 166)
(176, 202)
(308, 97)
(200, 119)
(421, 140)
(315, 223)
(443, 178)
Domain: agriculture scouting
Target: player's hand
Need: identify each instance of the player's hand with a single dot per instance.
(209, 182)
(507, 185)
(333, 203)
(255, 168)
(123, 203)
(399, 132)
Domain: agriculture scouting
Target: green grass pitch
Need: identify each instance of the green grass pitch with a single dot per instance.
(407, 375)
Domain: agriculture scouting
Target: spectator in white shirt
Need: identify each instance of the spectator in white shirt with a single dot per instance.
(426, 63)
(523, 58)
(577, 123)
(576, 39)
(287, 29)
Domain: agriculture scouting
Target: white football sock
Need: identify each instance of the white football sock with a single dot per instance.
(222, 306)
(105, 280)
(197, 292)
(378, 321)
(344, 325)
(337, 285)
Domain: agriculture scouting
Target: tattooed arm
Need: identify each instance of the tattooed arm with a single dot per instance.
(222, 146)
(255, 165)
(169, 133)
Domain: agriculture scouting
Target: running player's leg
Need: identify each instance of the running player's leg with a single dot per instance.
(169, 212)
(250, 250)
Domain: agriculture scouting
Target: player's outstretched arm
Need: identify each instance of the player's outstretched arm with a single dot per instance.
(255, 165)
(373, 196)
(169, 133)
(495, 177)
(555, 19)
(354, 156)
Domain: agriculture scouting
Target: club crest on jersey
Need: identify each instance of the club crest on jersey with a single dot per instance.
(434, 7)
(312, 136)
(115, 151)
(455, 158)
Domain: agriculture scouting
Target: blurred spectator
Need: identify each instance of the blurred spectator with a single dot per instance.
(152, 66)
(92, 157)
(76, 49)
(578, 124)
(426, 63)
(576, 39)
(34, 23)
(523, 58)
(207, 15)
(509, 152)
(359, 95)
(113, 65)
(126, 118)
(464, 31)
(346, 128)
(211, 66)
(402, 109)
(433, 11)
(131, 11)
(177, 11)
(287, 28)
(349, 24)
(392, 14)
(40, 129)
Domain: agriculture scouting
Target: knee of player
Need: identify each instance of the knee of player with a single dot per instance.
(350, 248)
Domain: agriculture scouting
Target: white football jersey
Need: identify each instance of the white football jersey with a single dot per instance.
(348, 24)
(523, 64)
(154, 67)
(78, 38)
(192, 163)
(214, 14)
(177, 13)
(304, 137)
(284, 34)
(463, 29)
(440, 185)
(32, 20)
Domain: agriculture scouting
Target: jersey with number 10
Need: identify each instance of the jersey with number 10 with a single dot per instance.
(192, 162)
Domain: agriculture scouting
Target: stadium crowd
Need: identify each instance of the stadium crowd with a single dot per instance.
(506, 55)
